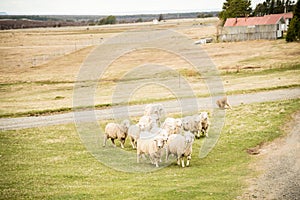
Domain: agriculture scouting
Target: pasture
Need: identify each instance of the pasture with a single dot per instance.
(51, 162)
(39, 68)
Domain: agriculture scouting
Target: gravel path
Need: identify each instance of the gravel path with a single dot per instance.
(280, 167)
(137, 110)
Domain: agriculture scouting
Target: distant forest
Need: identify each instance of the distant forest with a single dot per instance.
(31, 21)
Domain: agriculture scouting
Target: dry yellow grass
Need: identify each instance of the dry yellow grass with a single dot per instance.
(263, 54)
(39, 66)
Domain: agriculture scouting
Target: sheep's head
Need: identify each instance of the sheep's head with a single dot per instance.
(185, 123)
(141, 126)
(178, 122)
(159, 141)
(125, 124)
(161, 110)
(154, 120)
(189, 137)
(145, 122)
(164, 134)
(203, 116)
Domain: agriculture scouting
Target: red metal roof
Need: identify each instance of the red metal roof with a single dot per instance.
(251, 21)
(288, 15)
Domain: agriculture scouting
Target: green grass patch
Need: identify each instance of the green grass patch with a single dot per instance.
(52, 163)
(37, 112)
(252, 72)
(138, 102)
(263, 89)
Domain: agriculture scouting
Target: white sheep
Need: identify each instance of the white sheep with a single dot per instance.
(151, 146)
(147, 122)
(181, 146)
(172, 125)
(136, 130)
(192, 124)
(205, 123)
(223, 103)
(157, 109)
(116, 131)
(134, 134)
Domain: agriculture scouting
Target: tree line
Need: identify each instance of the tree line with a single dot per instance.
(242, 8)
(273, 7)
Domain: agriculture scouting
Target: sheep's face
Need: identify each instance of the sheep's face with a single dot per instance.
(161, 110)
(159, 142)
(154, 121)
(164, 134)
(204, 116)
(142, 126)
(189, 137)
(126, 124)
(178, 123)
(185, 124)
(173, 128)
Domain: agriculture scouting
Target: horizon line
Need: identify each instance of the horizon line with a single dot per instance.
(145, 12)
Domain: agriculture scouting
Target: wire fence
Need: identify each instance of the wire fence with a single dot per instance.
(66, 49)
(31, 56)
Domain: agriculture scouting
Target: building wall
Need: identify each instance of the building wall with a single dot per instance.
(257, 32)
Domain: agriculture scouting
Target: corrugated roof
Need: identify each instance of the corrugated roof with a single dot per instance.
(289, 15)
(251, 21)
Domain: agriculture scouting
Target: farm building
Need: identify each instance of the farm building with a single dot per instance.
(268, 27)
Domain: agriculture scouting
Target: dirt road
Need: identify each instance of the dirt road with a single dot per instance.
(280, 166)
(137, 110)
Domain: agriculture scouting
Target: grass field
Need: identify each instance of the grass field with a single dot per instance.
(38, 71)
(52, 163)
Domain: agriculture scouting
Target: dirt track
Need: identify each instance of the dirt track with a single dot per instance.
(137, 110)
(280, 166)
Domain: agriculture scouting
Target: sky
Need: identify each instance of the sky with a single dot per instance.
(107, 7)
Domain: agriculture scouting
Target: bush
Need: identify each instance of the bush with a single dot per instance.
(108, 20)
(293, 33)
(160, 18)
(204, 15)
(139, 20)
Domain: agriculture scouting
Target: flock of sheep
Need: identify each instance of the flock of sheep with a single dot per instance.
(152, 137)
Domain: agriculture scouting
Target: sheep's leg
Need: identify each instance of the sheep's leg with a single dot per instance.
(161, 153)
(122, 143)
(152, 159)
(205, 130)
(104, 140)
(182, 161)
(113, 142)
(132, 143)
(198, 135)
(229, 106)
(178, 160)
(206, 133)
(188, 160)
(167, 155)
(155, 160)
(156, 164)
